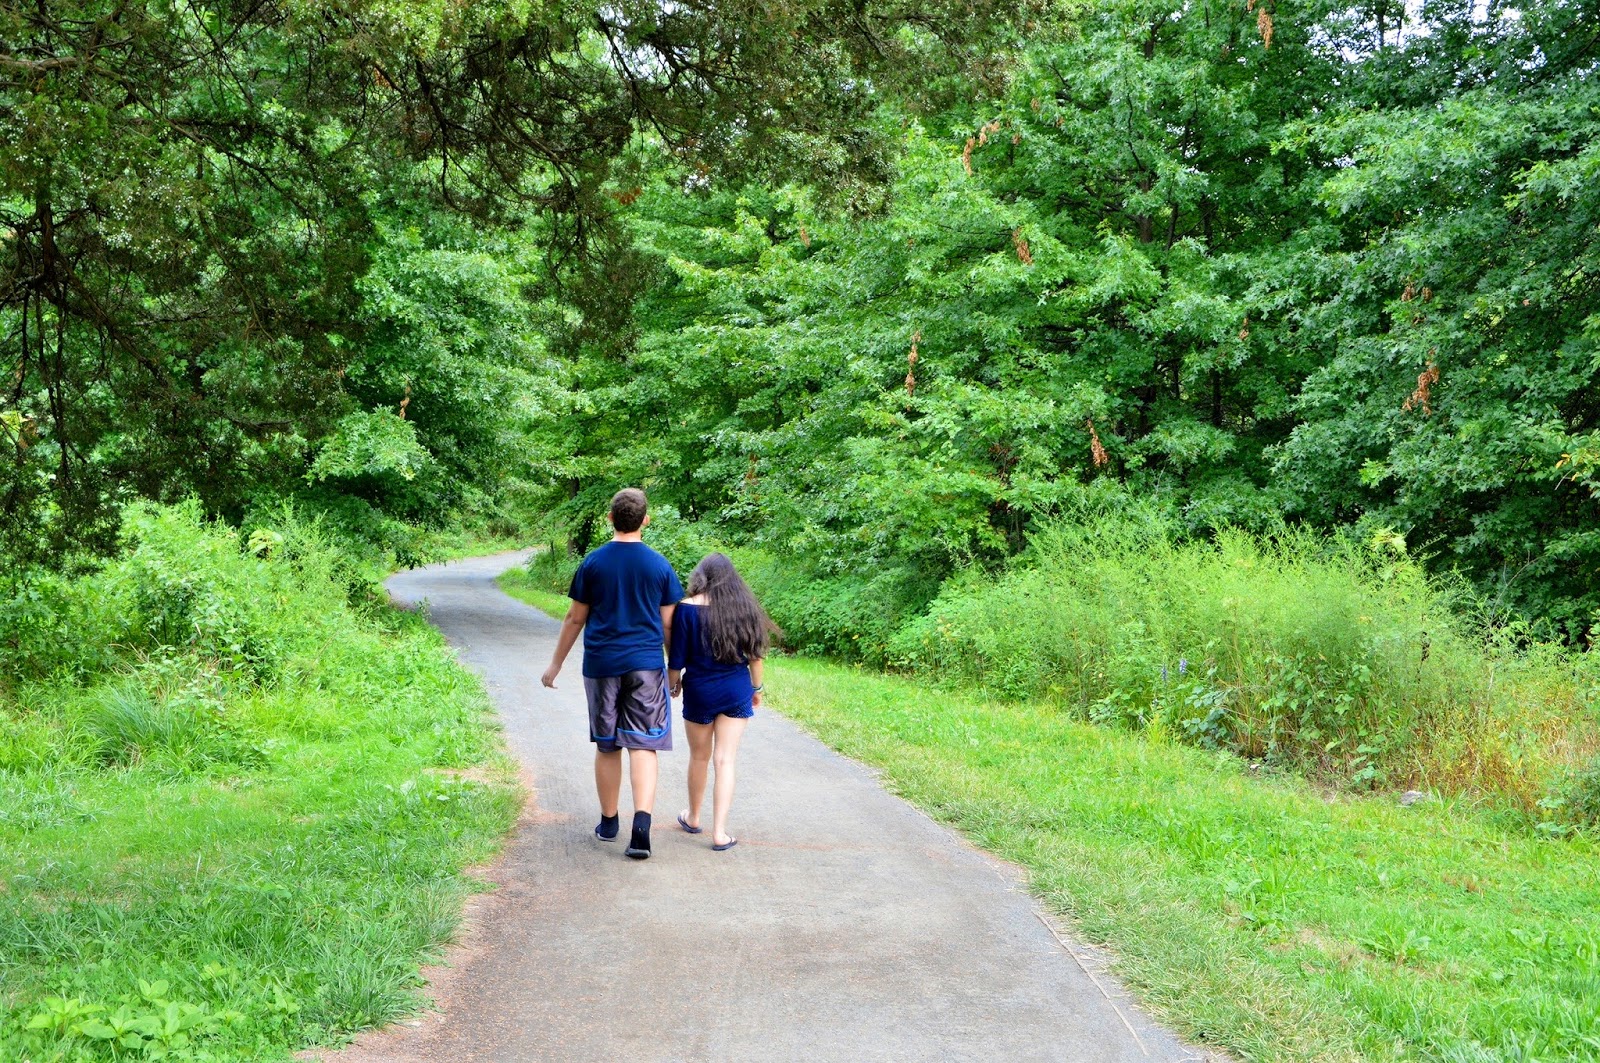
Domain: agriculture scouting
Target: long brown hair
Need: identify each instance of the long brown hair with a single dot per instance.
(737, 628)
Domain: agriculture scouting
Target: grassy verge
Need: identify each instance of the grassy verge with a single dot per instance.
(1344, 661)
(1253, 913)
(455, 545)
(535, 591)
(242, 832)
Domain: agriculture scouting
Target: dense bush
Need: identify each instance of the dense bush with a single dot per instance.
(851, 614)
(1344, 658)
(682, 542)
(185, 585)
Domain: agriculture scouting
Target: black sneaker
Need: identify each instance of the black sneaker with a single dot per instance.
(639, 843)
(607, 829)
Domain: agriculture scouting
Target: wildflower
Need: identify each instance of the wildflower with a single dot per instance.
(1183, 665)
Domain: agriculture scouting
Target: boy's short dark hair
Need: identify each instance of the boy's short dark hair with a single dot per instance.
(627, 509)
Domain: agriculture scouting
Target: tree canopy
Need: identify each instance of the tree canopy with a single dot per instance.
(878, 285)
(227, 228)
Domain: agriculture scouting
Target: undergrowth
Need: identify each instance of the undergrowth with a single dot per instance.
(1345, 661)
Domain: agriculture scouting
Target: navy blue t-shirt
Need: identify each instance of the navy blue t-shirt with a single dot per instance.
(624, 585)
(709, 685)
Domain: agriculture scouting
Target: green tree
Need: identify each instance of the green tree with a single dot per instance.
(1459, 321)
(192, 194)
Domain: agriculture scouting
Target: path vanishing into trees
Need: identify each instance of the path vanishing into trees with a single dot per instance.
(845, 926)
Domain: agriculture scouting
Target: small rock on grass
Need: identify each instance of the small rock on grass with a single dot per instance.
(1411, 797)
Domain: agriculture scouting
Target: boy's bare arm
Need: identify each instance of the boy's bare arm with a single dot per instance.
(571, 627)
(666, 625)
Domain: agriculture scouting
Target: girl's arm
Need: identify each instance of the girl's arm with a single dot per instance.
(757, 667)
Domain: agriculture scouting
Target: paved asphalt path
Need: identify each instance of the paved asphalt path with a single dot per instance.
(844, 926)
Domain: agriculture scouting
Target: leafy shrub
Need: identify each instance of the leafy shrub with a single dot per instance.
(1340, 657)
(849, 614)
(184, 585)
(50, 625)
(1575, 800)
(360, 540)
(682, 542)
(371, 446)
(552, 570)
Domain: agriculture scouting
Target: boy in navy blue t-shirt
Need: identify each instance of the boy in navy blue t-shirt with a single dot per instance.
(623, 596)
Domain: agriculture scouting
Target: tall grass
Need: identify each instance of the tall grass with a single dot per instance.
(1339, 658)
(1342, 659)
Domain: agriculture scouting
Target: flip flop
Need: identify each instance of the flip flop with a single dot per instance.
(729, 844)
(683, 821)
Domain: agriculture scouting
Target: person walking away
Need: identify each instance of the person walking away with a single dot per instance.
(623, 598)
(720, 636)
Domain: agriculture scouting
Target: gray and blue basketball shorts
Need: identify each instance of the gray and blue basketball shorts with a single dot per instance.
(630, 711)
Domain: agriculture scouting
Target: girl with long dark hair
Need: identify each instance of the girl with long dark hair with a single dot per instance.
(720, 634)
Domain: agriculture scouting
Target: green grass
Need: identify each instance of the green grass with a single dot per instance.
(1345, 661)
(534, 591)
(292, 902)
(452, 545)
(220, 857)
(1257, 914)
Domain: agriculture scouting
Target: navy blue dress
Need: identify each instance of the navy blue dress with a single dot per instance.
(710, 687)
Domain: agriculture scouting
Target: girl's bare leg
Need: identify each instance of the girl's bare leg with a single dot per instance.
(725, 751)
(700, 735)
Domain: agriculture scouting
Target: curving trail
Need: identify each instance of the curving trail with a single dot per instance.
(846, 926)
